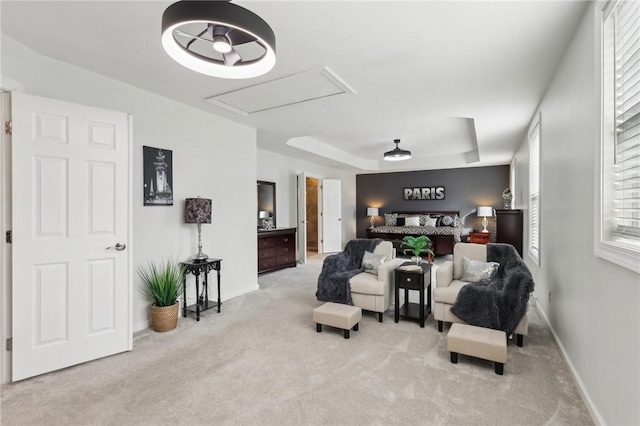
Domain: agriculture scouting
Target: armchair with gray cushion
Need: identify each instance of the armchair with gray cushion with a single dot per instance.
(343, 279)
(500, 302)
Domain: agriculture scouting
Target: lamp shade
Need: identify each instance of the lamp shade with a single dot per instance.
(485, 211)
(197, 210)
(372, 211)
(263, 214)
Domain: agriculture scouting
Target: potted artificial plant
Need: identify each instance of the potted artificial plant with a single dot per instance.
(162, 285)
(417, 246)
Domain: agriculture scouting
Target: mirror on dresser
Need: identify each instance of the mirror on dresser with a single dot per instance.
(266, 205)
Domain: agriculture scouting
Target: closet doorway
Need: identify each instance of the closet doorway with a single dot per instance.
(319, 215)
(313, 216)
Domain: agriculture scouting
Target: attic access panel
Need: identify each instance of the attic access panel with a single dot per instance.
(294, 89)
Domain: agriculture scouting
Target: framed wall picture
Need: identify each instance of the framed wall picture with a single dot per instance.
(158, 176)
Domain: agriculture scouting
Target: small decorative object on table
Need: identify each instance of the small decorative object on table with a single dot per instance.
(162, 285)
(507, 198)
(417, 246)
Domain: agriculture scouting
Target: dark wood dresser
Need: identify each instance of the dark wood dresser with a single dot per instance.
(509, 228)
(276, 249)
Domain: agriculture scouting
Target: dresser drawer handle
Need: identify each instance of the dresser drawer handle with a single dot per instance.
(265, 264)
(265, 254)
(408, 280)
(286, 249)
(286, 239)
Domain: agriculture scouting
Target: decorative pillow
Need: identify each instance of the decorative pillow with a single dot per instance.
(423, 219)
(400, 221)
(476, 270)
(390, 219)
(457, 221)
(371, 261)
(445, 221)
(412, 221)
(431, 222)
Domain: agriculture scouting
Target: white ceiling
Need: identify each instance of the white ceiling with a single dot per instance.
(455, 81)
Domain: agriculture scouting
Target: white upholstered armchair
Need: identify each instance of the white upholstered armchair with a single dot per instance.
(373, 292)
(449, 283)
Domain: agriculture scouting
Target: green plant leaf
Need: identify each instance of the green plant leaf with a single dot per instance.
(162, 284)
(417, 245)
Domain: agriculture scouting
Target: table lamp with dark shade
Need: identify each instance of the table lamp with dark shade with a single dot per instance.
(198, 210)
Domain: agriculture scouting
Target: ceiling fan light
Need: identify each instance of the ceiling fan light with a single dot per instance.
(221, 44)
(232, 18)
(397, 154)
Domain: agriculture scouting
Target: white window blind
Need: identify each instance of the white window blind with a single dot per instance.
(534, 193)
(626, 169)
(618, 214)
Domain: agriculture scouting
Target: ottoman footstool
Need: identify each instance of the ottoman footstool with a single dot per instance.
(344, 317)
(479, 342)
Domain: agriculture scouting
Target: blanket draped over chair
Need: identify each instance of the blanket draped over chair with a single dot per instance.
(339, 268)
(500, 302)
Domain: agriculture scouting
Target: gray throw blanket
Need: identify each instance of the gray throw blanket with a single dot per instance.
(338, 269)
(500, 302)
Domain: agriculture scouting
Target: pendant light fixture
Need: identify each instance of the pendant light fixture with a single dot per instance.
(218, 38)
(397, 154)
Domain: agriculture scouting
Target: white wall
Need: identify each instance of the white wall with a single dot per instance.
(595, 304)
(204, 164)
(283, 171)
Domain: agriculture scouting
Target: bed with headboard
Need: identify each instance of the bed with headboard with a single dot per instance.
(443, 228)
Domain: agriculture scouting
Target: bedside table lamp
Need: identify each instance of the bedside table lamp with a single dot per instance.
(198, 210)
(373, 212)
(484, 212)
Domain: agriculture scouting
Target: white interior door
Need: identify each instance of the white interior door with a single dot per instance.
(331, 216)
(70, 206)
(302, 217)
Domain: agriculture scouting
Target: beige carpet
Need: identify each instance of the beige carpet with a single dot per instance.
(260, 361)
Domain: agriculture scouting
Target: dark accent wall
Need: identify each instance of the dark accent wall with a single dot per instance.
(465, 189)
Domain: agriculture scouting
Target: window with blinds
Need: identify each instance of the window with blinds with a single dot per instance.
(534, 193)
(620, 157)
(627, 135)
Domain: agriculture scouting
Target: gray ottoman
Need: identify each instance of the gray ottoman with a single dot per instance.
(479, 342)
(345, 317)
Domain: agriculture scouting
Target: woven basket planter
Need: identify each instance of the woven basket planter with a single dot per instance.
(164, 318)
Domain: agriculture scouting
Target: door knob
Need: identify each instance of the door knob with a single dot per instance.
(118, 247)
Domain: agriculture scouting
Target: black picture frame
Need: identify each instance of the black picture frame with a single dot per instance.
(158, 176)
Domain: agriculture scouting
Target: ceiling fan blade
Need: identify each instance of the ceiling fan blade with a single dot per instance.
(239, 37)
(183, 34)
(231, 58)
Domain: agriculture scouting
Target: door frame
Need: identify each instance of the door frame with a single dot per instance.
(319, 178)
(6, 87)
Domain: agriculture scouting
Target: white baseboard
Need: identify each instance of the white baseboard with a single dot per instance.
(147, 324)
(253, 287)
(593, 411)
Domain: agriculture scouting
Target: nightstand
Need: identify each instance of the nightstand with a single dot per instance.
(480, 237)
(417, 278)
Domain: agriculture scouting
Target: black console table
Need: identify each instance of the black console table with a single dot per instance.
(202, 301)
